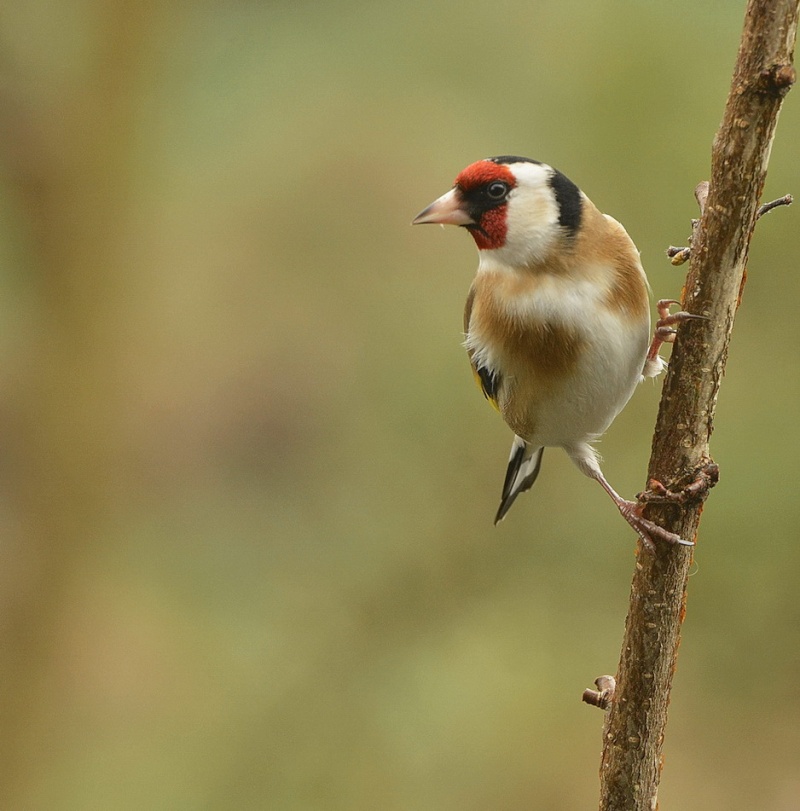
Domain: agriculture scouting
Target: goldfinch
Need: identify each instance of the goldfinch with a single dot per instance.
(557, 321)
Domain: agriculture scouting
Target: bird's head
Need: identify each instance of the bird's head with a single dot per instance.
(517, 209)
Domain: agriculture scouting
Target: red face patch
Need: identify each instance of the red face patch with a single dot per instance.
(482, 173)
(490, 231)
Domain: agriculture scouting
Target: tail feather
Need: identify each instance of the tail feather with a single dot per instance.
(523, 468)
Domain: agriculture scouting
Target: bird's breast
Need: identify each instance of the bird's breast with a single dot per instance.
(538, 323)
(546, 350)
(567, 362)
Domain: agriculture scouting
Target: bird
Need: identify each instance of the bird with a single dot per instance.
(557, 320)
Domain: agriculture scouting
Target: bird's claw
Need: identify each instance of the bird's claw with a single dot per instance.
(667, 319)
(647, 530)
(706, 476)
(665, 332)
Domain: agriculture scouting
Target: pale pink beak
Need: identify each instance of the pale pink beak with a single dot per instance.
(447, 210)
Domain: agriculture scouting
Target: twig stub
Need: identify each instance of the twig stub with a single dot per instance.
(604, 695)
(701, 195)
(680, 255)
(786, 200)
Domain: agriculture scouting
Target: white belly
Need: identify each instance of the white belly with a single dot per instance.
(583, 405)
(575, 404)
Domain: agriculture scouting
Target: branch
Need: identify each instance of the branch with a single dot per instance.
(631, 762)
(679, 255)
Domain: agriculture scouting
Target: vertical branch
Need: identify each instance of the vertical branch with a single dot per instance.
(631, 761)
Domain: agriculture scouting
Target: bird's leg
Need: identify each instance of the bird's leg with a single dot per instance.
(585, 458)
(664, 334)
(631, 511)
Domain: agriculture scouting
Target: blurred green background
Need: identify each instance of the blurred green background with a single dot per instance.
(247, 481)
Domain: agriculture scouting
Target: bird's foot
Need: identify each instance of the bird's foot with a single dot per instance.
(665, 333)
(706, 476)
(650, 532)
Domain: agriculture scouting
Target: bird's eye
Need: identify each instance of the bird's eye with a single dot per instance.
(497, 190)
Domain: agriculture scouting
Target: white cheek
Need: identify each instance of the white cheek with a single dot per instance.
(532, 226)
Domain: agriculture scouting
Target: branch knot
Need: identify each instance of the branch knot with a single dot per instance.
(777, 80)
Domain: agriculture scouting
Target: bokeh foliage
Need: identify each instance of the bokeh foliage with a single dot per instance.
(247, 484)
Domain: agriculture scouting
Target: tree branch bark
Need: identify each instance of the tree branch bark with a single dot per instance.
(634, 731)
